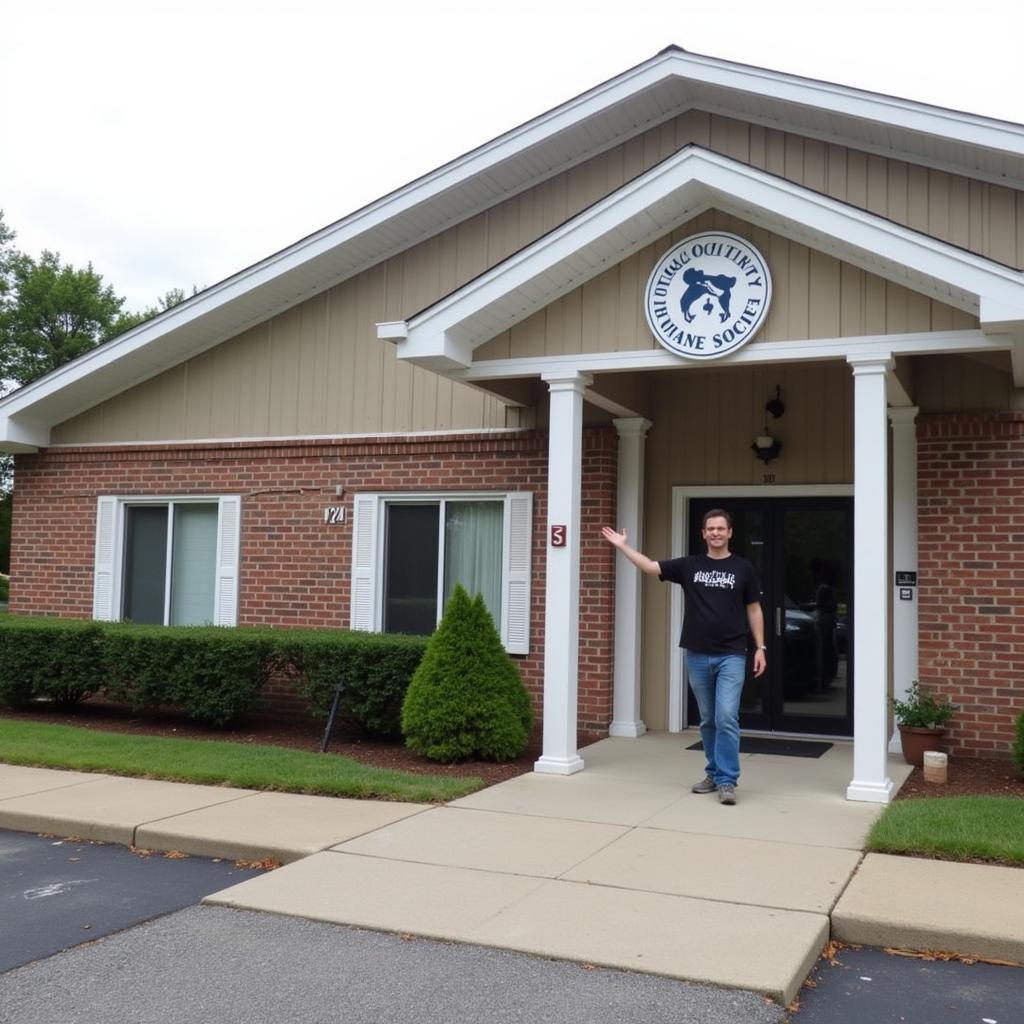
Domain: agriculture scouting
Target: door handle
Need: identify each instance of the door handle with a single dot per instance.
(778, 622)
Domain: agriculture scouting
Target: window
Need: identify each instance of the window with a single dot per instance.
(410, 551)
(167, 561)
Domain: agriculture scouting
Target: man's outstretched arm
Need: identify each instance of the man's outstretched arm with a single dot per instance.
(641, 561)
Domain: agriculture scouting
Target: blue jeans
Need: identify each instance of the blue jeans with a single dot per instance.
(717, 683)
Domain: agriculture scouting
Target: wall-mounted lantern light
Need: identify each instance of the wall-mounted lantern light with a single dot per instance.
(766, 447)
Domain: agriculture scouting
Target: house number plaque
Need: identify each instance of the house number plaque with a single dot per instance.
(558, 535)
(334, 514)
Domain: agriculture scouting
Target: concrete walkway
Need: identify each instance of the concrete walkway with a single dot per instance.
(619, 865)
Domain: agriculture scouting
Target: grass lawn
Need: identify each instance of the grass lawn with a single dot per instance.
(986, 828)
(210, 762)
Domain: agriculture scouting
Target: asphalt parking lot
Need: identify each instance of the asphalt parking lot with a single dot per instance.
(56, 892)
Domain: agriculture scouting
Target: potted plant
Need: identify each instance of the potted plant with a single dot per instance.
(922, 722)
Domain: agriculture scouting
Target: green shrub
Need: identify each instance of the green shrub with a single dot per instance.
(375, 668)
(56, 659)
(1018, 745)
(466, 698)
(210, 673)
(5, 588)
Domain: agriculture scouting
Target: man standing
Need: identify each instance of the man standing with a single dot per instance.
(722, 598)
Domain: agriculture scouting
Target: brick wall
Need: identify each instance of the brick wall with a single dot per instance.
(294, 569)
(971, 563)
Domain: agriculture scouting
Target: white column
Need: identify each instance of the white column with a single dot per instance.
(626, 719)
(904, 555)
(562, 593)
(871, 591)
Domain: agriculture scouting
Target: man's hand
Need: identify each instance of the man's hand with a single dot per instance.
(760, 663)
(613, 537)
(641, 561)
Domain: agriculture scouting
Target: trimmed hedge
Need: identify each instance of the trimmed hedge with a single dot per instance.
(58, 659)
(376, 669)
(210, 673)
(1018, 745)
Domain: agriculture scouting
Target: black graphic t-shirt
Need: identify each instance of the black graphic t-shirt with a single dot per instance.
(717, 592)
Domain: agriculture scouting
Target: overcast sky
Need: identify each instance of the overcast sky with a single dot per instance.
(174, 144)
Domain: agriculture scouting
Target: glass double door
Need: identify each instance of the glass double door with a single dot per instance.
(802, 549)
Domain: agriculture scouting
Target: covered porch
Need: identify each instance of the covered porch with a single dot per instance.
(862, 300)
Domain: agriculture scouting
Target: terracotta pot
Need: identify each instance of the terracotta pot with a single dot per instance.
(916, 741)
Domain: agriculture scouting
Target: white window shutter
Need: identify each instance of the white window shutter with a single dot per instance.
(515, 608)
(103, 565)
(363, 596)
(225, 594)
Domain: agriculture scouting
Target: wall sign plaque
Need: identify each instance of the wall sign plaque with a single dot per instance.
(708, 295)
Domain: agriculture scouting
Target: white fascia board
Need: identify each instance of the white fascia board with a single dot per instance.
(22, 436)
(998, 314)
(85, 365)
(452, 354)
(755, 353)
(438, 351)
(912, 116)
(694, 179)
(392, 330)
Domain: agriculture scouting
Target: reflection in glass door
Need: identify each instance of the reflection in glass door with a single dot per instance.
(802, 550)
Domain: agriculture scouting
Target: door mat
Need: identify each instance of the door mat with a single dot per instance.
(770, 745)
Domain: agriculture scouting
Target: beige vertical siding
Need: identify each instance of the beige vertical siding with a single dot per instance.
(269, 380)
(316, 369)
(814, 296)
(962, 383)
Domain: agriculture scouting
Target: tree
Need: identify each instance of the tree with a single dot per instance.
(52, 314)
(7, 252)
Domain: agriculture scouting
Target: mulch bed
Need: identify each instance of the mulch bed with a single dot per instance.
(966, 775)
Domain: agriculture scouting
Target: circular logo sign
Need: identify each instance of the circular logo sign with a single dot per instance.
(708, 295)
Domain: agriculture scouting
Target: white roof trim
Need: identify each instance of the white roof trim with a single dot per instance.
(658, 89)
(754, 353)
(646, 209)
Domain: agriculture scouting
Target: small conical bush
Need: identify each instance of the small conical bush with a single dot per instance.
(466, 699)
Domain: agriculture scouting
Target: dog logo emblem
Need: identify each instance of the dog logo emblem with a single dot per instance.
(708, 295)
(700, 286)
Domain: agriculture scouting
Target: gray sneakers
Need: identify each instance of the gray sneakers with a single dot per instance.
(706, 785)
(726, 794)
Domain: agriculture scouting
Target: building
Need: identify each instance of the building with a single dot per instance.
(463, 381)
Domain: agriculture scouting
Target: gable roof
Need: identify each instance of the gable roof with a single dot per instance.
(442, 336)
(661, 88)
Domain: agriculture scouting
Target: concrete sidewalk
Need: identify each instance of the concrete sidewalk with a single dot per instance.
(619, 865)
